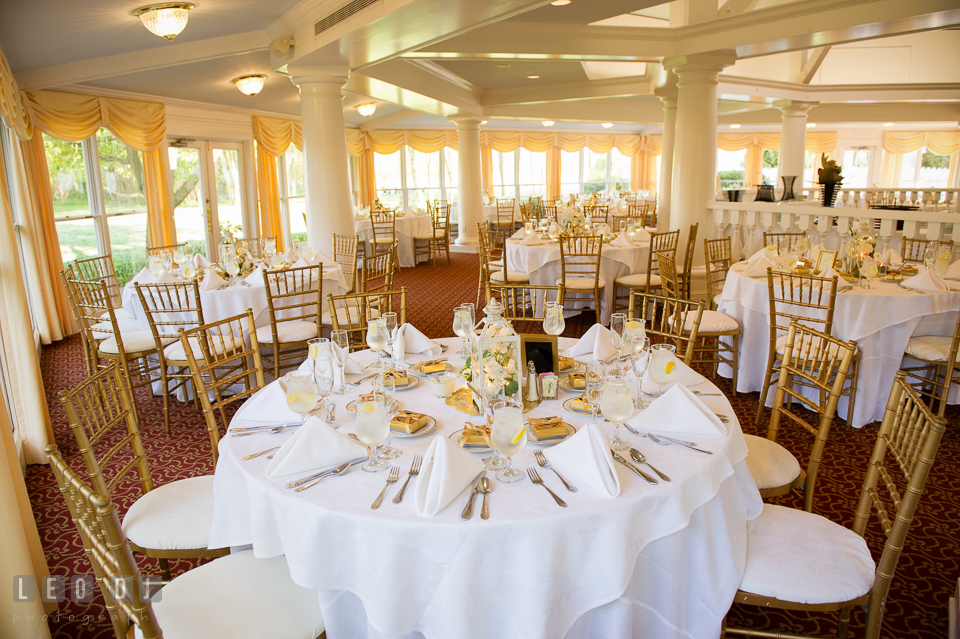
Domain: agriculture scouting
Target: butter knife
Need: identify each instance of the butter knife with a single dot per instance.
(468, 509)
(650, 480)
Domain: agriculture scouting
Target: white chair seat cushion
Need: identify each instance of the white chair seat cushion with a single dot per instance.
(810, 343)
(292, 331)
(805, 558)
(175, 352)
(931, 348)
(436, 235)
(174, 516)
(241, 597)
(512, 276)
(710, 322)
(716, 299)
(382, 240)
(638, 279)
(126, 324)
(134, 342)
(580, 283)
(771, 464)
(118, 313)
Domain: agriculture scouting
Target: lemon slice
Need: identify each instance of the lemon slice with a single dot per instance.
(670, 367)
(314, 351)
(519, 436)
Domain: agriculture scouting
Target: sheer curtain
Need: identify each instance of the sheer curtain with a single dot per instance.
(897, 143)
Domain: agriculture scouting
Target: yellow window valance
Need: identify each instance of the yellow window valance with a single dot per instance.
(821, 141)
(741, 141)
(13, 107)
(939, 142)
(274, 135)
(653, 144)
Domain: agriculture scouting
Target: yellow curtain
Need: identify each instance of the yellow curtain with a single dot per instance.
(897, 143)
(268, 196)
(890, 169)
(821, 142)
(753, 166)
(157, 189)
(367, 178)
(538, 142)
(553, 173)
(486, 167)
(13, 110)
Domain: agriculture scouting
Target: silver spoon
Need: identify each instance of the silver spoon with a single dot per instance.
(276, 429)
(486, 487)
(638, 456)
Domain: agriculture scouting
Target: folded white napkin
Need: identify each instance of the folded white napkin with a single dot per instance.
(144, 277)
(641, 236)
(531, 240)
(268, 406)
(412, 341)
(519, 235)
(927, 281)
(761, 254)
(954, 272)
(447, 470)
(314, 445)
(623, 240)
(759, 269)
(166, 278)
(256, 277)
(586, 458)
(680, 411)
(323, 258)
(830, 272)
(211, 281)
(596, 342)
(301, 263)
(891, 257)
(291, 255)
(200, 261)
(686, 376)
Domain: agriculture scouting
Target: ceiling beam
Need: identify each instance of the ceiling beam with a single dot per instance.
(388, 120)
(140, 61)
(624, 110)
(814, 59)
(562, 91)
(736, 7)
(839, 113)
(426, 79)
(733, 87)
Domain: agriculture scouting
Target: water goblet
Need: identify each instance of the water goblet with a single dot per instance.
(155, 265)
(508, 436)
(393, 330)
(233, 269)
(553, 322)
(377, 338)
(663, 367)
(387, 385)
(340, 345)
(372, 428)
(301, 392)
(868, 269)
(166, 258)
(930, 256)
(616, 406)
(323, 375)
(944, 255)
(528, 228)
(462, 326)
(179, 257)
(618, 322)
(639, 347)
(594, 388)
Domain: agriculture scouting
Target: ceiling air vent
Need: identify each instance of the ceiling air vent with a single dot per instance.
(342, 14)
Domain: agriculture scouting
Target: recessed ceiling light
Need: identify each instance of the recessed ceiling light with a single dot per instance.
(607, 125)
(810, 125)
(734, 126)
(548, 123)
(533, 77)
(560, 3)
(888, 124)
(250, 84)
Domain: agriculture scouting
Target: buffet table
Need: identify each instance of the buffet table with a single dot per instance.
(881, 320)
(665, 558)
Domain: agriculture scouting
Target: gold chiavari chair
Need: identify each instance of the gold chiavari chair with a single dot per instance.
(649, 280)
(664, 320)
(790, 238)
(428, 245)
(384, 225)
(505, 219)
(89, 360)
(638, 211)
(686, 273)
(169, 248)
(718, 257)
(822, 362)
(493, 259)
(913, 248)
(170, 307)
(222, 365)
(352, 311)
(101, 268)
(937, 370)
(809, 300)
(377, 272)
(165, 522)
(598, 213)
(524, 302)
(107, 339)
(782, 541)
(345, 254)
(580, 268)
(715, 327)
(239, 595)
(295, 306)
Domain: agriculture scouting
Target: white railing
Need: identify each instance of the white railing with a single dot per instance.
(928, 199)
(745, 223)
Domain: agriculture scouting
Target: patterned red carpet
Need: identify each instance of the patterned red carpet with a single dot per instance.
(917, 606)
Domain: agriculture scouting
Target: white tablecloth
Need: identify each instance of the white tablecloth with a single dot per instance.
(542, 263)
(664, 558)
(408, 227)
(881, 320)
(490, 212)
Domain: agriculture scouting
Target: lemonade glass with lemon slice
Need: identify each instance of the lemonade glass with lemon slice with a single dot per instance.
(663, 365)
(301, 393)
(372, 428)
(616, 404)
(508, 434)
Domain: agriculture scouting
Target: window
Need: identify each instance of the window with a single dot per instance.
(531, 173)
(923, 169)
(588, 172)
(98, 200)
(389, 171)
(504, 174)
(570, 173)
(811, 162)
(855, 168)
(293, 201)
(409, 178)
(730, 167)
(423, 178)
(770, 167)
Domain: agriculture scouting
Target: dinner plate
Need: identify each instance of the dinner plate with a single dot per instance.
(352, 406)
(412, 382)
(564, 383)
(419, 371)
(570, 369)
(470, 449)
(553, 440)
(568, 406)
(423, 431)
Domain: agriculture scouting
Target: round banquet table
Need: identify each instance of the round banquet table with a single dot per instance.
(542, 263)
(665, 558)
(881, 320)
(408, 227)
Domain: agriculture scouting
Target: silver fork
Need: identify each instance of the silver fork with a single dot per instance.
(535, 478)
(542, 460)
(391, 478)
(414, 471)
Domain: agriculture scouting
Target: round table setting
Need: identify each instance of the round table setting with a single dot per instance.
(408, 226)
(665, 557)
(881, 320)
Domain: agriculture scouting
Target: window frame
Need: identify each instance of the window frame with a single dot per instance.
(609, 184)
(404, 192)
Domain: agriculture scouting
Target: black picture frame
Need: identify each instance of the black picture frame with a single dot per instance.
(542, 350)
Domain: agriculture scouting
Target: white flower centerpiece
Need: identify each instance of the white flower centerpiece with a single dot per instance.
(232, 249)
(493, 369)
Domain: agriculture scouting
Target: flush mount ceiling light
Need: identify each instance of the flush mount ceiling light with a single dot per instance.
(810, 125)
(560, 3)
(607, 125)
(166, 19)
(367, 109)
(888, 124)
(548, 123)
(533, 77)
(483, 122)
(250, 84)
(734, 126)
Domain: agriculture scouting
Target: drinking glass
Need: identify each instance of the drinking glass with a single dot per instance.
(301, 393)
(623, 226)
(372, 428)
(554, 232)
(771, 249)
(930, 256)
(632, 230)
(390, 321)
(508, 436)
(594, 388)
(639, 347)
(387, 386)
(944, 255)
(323, 375)
(618, 322)
(179, 257)
(462, 326)
(802, 247)
(553, 322)
(156, 265)
(663, 367)
(868, 269)
(617, 406)
(377, 338)
(528, 228)
(789, 259)
(341, 351)
(469, 307)
(166, 258)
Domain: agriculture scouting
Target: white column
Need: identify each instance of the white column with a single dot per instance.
(793, 139)
(326, 174)
(470, 188)
(667, 95)
(695, 145)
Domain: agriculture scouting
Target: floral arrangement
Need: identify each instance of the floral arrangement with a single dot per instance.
(244, 259)
(830, 173)
(866, 243)
(487, 197)
(377, 204)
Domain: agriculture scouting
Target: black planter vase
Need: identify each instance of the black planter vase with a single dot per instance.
(788, 182)
(828, 193)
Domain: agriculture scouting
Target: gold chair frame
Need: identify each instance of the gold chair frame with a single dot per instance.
(352, 311)
(663, 317)
(383, 226)
(505, 218)
(659, 242)
(523, 302)
(913, 248)
(293, 295)
(438, 240)
(345, 254)
(378, 271)
(100, 268)
(580, 258)
(792, 236)
(718, 258)
(930, 373)
(686, 274)
(159, 250)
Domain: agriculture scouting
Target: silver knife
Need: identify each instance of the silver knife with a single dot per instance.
(341, 470)
(303, 481)
(650, 480)
(654, 439)
(468, 509)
